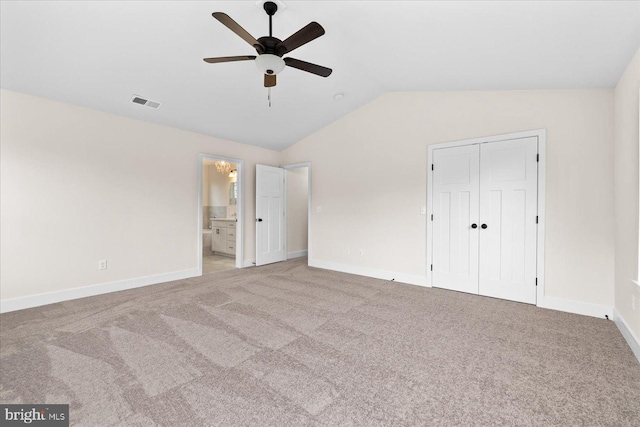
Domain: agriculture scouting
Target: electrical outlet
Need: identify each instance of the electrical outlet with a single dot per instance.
(361, 252)
(102, 264)
(423, 210)
(319, 209)
(347, 251)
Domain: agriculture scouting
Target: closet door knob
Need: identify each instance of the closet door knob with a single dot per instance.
(474, 225)
(259, 220)
(484, 226)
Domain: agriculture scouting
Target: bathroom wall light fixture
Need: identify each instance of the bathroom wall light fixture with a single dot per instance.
(222, 166)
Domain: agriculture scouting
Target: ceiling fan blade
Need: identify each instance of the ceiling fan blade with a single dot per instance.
(269, 80)
(228, 59)
(303, 36)
(308, 67)
(236, 28)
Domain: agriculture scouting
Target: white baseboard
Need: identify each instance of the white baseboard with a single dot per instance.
(297, 254)
(576, 307)
(20, 303)
(627, 333)
(370, 272)
(570, 306)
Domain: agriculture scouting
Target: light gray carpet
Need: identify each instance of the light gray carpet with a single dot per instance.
(289, 345)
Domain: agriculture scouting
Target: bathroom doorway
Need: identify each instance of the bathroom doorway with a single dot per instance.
(220, 222)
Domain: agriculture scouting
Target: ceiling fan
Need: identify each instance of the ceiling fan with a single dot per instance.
(271, 49)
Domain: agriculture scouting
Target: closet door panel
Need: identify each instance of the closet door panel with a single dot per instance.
(455, 209)
(508, 209)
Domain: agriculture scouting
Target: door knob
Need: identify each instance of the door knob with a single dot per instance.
(474, 225)
(259, 220)
(484, 226)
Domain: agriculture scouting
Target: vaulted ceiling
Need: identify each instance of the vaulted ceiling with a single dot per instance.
(99, 53)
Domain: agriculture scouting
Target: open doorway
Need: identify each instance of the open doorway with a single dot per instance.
(220, 213)
(298, 204)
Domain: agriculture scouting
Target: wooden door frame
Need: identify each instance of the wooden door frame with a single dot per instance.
(541, 134)
(239, 207)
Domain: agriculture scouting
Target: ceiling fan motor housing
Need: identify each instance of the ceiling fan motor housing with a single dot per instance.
(269, 60)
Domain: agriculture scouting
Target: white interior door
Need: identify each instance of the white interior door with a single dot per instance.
(455, 212)
(270, 213)
(508, 209)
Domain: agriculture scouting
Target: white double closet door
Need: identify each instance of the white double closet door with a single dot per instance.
(485, 219)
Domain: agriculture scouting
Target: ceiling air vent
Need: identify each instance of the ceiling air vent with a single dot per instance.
(142, 101)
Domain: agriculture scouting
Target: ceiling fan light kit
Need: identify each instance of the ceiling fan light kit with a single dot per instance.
(270, 64)
(271, 49)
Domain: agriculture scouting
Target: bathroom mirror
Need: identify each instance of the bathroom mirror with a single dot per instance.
(233, 193)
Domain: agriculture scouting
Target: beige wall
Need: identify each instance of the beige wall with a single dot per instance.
(626, 193)
(79, 185)
(83, 185)
(297, 209)
(370, 179)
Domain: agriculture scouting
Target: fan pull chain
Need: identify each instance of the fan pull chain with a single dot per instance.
(269, 97)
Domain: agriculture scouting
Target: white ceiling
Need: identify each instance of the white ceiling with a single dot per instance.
(99, 53)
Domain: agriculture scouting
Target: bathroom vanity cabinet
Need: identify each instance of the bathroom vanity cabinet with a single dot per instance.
(223, 236)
